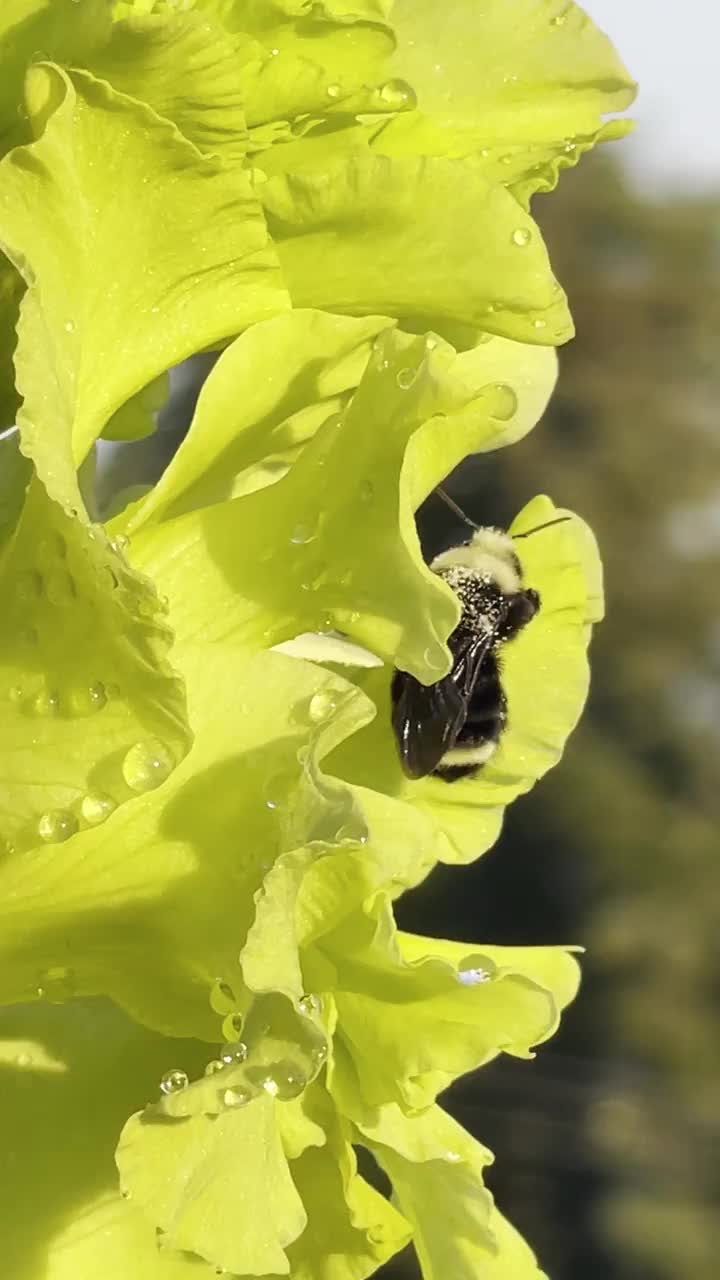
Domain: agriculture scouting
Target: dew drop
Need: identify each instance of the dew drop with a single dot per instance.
(322, 705)
(29, 586)
(222, 998)
(303, 533)
(56, 984)
(334, 91)
(232, 1027)
(237, 1051)
(46, 703)
(352, 833)
(522, 236)
(213, 1066)
(96, 806)
(69, 326)
(97, 696)
(559, 20)
(539, 324)
(173, 1081)
(309, 1004)
(147, 765)
(276, 790)
(453, 1157)
(57, 825)
(405, 378)
(61, 589)
(120, 543)
(472, 977)
(235, 1097)
(507, 159)
(398, 94)
(505, 402)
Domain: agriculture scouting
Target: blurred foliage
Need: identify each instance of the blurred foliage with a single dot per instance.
(608, 1146)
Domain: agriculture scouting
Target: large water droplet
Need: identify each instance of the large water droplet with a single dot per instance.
(322, 705)
(283, 1080)
(95, 807)
(522, 236)
(56, 984)
(398, 95)
(505, 402)
(147, 765)
(405, 378)
(173, 1081)
(57, 825)
(222, 998)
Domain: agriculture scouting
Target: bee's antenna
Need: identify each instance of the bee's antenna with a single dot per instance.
(454, 507)
(548, 525)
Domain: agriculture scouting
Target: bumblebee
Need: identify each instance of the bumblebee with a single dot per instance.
(453, 727)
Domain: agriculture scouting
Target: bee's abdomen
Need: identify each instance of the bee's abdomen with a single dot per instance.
(482, 729)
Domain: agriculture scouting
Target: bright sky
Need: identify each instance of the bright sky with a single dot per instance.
(672, 48)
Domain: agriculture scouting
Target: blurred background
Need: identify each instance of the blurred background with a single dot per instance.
(608, 1144)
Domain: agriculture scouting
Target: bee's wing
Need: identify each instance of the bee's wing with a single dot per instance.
(427, 718)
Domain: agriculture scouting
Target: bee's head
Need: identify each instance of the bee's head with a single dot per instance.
(490, 552)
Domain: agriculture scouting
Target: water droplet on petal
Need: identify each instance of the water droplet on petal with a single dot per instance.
(398, 94)
(147, 765)
(57, 825)
(173, 1081)
(69, 326)
(46, 703)
(472, 977)
(453, 1157)
(235, 1097)
(213, 1066)
(405, 378)
(236, 1051)
(322, 705)
(96, 806)
(120, 543)
(539, 324)
(232, 1027)
(303, 533)
(334, 91)
(222, 998)
(309, 1005)
(522, 236)
(505, 402)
